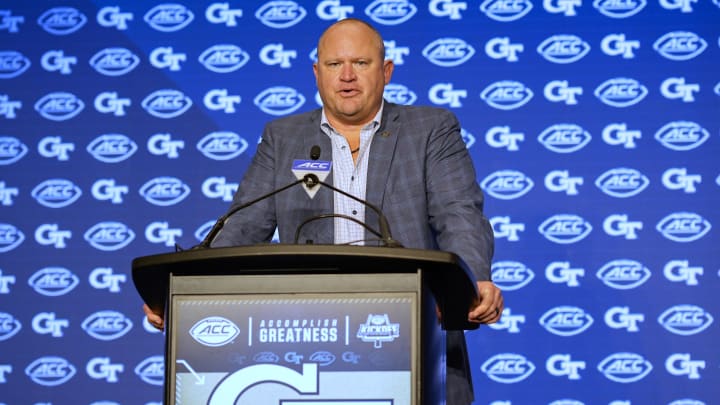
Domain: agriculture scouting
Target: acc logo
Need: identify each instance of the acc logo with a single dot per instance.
(448, 52)
(565, 228)
(510, 275)
(224, 58)
(504, 11)
(623, 274)
(682, 135)
(619, 9)
(164, 191)
(621, 92)
(203, 230)
(50, 371)
(62, 20)
(390, 12)
(266, 357)
(685, 320)
(10, 237)
(107, 325)
(563, 48)
(166, 103)
(53, 281)
(622, 182)
(214, 331)
(112, 148)
(323, 358)
(507, 184)
(13, 64)
(169, 17)
(222, 145)
(506, 95)
(279, 100)
(683, 226)
(109, 236)
(680, 45)
(56, 193)
(508, 368)
(280, 14)
(114, 61)
(399, 94)
(9, 326)
(625, 367)
(59, 106)
(566, 321)
(11, 150)
(152, 370)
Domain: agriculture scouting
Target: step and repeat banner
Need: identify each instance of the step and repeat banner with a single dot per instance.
(125, 127)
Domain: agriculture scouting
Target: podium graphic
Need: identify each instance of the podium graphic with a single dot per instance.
(306, 324)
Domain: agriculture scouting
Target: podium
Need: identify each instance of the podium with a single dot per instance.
(306, 324)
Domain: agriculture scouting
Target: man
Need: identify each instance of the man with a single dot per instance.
(409, 161)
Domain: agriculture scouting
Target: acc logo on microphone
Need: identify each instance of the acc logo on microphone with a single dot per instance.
(279, 100)
(621, 92)
(390, 12)
(152, 370)
(59, 106)
(53, 281)
(112, 148)
(50, 371)
(9, 326)
(107, 325)
(507, 184)
(13, 64)
(625, 367)
(166, 103)
(622, 182)
(506, 95)
(62, 20)
(448, 52)
(566, 321)
(222, 145)
(164, 191)
(10, 237)
(563, 48)
(114, 61)
(508, 368)
(618, 9)
(214, 331)
(224, 58)
(169, 17)
(280, 14)
(683, 226)
(399, 94)
(11, 150)
(511, 275)
(682, 135)
(623, 274)
(680, 45)
(109, 236)
(685, 320)
(56, 193)
(565, 228)
(504, 11)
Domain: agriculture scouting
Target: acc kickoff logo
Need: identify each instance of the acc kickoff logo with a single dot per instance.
(507, 184)
(59, 106)
(12, 64)
(624, 274)
(390, 12)
(280, 14)
(378, 329)
(508, 368)
(109, 236)
(56, 193)
(565, 228)
(506, 95)
(621, 92)
(622, 182)
(566, 321)
(11, 150)
(53, 281)
(685, 320)
(164, 191)
(114, 61)
(224, 58)
(683, 226)
(447, 52)
(564, 138)
(563, 48)
(62, 20)
(504, 11)
(10, 237)
(214, 331)
(680, 45)
(222, 145)
(682, 135)
(625, 367)
(169, 17)
(166, 103)
(112, 148)
(510, 275)
(279, 100)
(50, 371)
(107, 325)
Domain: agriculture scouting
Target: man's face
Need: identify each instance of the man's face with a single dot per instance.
(351, 73)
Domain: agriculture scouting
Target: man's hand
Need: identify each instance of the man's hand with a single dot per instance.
(489, 304)
(154, 319)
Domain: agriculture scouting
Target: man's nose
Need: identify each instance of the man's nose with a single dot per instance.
(347, 73)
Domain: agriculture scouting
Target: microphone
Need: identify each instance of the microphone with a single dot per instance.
(315, 152)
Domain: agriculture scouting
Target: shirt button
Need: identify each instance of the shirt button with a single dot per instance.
(354, 212)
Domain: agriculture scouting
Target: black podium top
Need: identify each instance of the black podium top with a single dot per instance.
(449, 280)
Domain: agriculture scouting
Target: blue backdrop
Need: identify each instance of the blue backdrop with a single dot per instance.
(126, 126)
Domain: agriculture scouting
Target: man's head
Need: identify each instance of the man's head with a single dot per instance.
(351, 72)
